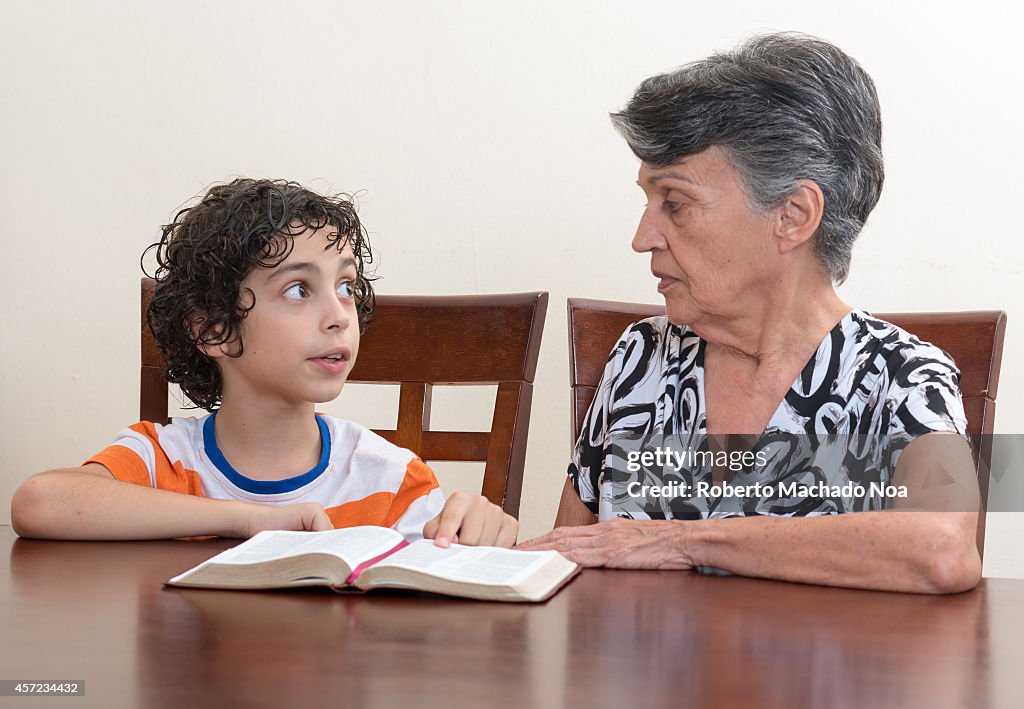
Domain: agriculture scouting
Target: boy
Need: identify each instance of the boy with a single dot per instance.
(260, 299)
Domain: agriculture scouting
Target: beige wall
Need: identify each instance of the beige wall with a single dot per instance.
(477, 134)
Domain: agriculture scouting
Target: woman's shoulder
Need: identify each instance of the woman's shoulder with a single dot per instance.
(655, 340)
(918, 380)
(651, 356)
(897, 348)
(658, 329)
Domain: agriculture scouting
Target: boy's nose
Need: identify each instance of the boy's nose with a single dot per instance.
(338, 313)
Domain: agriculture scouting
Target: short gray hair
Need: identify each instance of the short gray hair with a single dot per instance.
(784, 107)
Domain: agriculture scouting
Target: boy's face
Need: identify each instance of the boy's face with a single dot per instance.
(301, 338)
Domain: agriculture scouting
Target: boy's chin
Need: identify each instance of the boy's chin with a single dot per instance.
(326, 396)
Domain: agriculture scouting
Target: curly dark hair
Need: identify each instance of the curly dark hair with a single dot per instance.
(206, 252)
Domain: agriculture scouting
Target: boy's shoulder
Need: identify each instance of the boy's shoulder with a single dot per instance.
(352, 440)
(176, 438)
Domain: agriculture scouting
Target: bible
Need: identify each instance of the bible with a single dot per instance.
(366, 558)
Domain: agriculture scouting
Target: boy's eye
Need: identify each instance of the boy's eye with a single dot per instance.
(296, 291)
(347, 289)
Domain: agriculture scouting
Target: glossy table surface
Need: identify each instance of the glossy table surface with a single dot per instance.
(98, 612)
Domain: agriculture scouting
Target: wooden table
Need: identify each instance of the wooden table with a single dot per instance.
(98, 612)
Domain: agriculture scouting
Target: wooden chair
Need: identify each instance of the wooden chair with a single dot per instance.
(974, 340)
(417, 342)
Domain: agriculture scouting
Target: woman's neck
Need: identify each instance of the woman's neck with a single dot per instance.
(786, 321)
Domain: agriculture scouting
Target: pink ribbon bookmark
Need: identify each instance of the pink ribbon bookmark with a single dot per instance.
(370, 562)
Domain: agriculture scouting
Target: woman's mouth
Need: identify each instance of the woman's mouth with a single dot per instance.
(666, 282)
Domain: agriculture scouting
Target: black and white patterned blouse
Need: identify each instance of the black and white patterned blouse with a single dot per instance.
(868, 390)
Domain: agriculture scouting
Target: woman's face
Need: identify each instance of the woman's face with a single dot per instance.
(712, 253)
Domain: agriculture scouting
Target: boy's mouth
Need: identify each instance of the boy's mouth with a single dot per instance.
(333, 360)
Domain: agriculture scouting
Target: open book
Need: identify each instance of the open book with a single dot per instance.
(378, 557)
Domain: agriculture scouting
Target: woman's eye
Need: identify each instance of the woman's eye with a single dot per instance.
(347, 289)
(296, 291)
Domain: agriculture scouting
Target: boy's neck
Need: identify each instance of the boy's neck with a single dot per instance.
(268, 445)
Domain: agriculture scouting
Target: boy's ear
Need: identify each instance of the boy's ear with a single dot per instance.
(194, 322)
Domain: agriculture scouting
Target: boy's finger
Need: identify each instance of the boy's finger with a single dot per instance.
(321, 522)
(430, 528)
(450, 520)
(508, 533)
(474, 521)
(491, 527)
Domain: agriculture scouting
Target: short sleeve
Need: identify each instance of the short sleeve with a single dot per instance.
(927, 395)
(131, 456)
(138, 456)
(418, 500)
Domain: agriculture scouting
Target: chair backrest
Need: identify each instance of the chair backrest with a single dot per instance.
(973, 339)
(420, 341)
(417, 342)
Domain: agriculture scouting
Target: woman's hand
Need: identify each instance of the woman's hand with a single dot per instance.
(620, 544)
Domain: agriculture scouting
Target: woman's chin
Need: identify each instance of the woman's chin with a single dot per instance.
(680, 313)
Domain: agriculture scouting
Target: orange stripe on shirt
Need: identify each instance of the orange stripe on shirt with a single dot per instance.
(125, 464)
(368, 511)
(384, 509)
(418, 482)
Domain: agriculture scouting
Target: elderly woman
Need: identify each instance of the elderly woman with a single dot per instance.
(760, 167)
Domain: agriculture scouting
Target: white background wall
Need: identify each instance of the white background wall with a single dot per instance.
(478, 137)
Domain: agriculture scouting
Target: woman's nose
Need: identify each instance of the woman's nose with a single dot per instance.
(648, 236)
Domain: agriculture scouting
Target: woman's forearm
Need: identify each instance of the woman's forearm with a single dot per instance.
(931, 552)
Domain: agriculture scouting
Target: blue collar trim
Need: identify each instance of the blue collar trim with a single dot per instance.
(265, 487)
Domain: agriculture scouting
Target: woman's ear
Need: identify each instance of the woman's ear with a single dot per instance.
(800, 215)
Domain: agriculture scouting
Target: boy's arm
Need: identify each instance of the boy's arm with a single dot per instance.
(89, 503)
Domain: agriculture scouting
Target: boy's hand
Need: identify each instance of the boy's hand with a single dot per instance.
(305, 517)
(472, 520)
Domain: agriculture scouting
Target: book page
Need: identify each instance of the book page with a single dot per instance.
(353, 545)
(480, 565)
